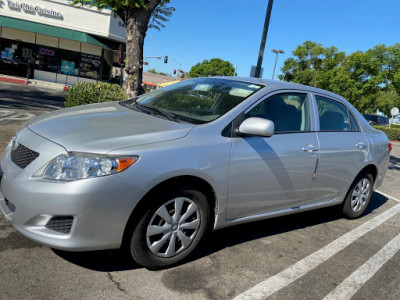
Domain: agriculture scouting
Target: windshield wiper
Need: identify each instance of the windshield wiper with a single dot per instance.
(141, 107)
(168, 115)
(151, 109)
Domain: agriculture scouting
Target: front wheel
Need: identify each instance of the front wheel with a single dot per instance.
(359, 196)
(171, 228)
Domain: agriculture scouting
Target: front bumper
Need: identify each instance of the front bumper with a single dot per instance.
(98, 207)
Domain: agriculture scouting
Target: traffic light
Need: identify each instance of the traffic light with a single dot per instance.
(174, 71)
(165, 59)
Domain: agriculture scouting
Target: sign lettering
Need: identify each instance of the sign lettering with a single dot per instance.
(45, 51)
(40, 10)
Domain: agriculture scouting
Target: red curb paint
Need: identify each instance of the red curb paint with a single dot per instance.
(13, 80)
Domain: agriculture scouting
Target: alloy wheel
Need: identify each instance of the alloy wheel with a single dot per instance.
(360, 194)
(173, 227)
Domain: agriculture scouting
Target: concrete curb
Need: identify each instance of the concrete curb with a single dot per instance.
(33, 82)
(47, 85)
(13, 80)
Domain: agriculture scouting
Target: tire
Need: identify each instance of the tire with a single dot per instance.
(359, 196)
(162, 238)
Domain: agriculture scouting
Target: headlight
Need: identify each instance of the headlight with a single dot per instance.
(80, 166)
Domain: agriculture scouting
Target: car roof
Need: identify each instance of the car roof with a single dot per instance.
(280, 85)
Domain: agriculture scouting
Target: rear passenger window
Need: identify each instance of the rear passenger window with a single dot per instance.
(333, 116)
(289, 112)
(353, 123)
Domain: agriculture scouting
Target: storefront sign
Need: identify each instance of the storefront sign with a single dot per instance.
(67, 67)
(45, 51)
(90, 66)
(30, 8)
(7, 55)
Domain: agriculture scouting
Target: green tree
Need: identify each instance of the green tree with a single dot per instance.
(153, 71)
(362, 77)
(386, 100)
(212, 67)
(138, 16)
(312, 65)
(369, 80)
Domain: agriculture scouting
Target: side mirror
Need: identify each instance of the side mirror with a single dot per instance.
(257, 126)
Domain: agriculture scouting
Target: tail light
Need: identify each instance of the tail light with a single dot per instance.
(390, 146)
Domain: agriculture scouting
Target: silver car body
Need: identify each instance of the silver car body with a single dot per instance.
(251, 178)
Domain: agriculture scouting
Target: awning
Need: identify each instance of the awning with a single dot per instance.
(53, 31)
(149, 83)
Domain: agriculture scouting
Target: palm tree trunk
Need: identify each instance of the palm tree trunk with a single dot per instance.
(135, 34)
(136, 22)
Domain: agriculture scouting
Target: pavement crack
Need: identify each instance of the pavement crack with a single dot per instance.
(117, 284)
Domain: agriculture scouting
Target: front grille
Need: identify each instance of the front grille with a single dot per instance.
(10, 205)
(61, 224)
(23, 156)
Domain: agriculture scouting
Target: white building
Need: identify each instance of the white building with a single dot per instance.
(54, 41)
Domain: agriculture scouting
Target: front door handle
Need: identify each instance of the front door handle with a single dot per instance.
(310, 148)
(360, 145)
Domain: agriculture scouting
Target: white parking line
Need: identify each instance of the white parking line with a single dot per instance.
(388, 196)
(302, 267)
(358, 278)
(13, 115)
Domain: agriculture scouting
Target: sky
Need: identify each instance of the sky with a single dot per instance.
(232, 29)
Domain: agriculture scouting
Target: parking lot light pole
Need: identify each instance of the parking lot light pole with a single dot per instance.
(263, 39)
(276, 59)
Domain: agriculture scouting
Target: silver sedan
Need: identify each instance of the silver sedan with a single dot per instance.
(156, 173)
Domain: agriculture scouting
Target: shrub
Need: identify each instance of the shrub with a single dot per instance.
(393, 133)
(86, 93)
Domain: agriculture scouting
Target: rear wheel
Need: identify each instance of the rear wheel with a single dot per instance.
(359, 196)
(171, 228)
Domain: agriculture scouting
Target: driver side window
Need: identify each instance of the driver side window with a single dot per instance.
(290, 112)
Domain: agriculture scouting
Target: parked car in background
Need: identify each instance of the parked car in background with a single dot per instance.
(154, 174)
(376, 120)
(395, 120)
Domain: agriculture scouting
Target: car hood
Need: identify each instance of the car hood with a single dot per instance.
(103, 127)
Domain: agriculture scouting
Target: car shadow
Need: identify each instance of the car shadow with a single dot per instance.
(119, 260)
(394, 163)
(235, 235)
(102, 261)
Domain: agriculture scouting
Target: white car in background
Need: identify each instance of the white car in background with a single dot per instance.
(395, 120)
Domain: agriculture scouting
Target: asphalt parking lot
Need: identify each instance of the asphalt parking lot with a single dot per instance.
(312, 255)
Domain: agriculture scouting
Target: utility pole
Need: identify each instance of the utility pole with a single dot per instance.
(276, 59)
(263, 39)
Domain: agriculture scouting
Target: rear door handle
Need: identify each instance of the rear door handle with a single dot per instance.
(360, 145)
(310, 148)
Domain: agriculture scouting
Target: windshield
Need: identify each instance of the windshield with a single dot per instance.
(200, 100)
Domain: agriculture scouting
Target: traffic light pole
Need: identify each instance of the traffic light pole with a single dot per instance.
(263, 38)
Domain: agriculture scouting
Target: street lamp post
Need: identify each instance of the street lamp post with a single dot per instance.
(263, 39)
(276, 59)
